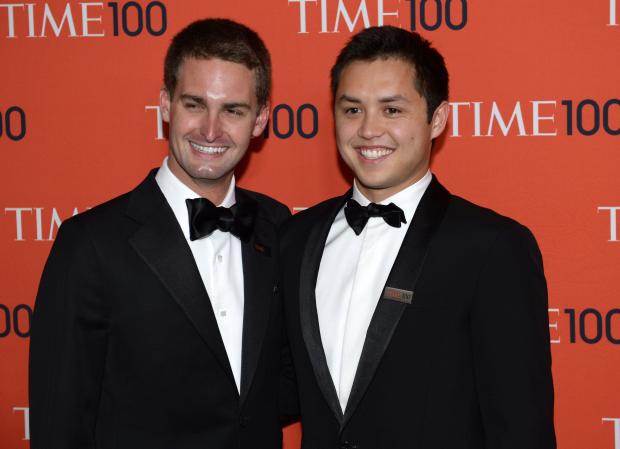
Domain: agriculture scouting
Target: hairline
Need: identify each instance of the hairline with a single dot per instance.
(204, 57)
(383, 57)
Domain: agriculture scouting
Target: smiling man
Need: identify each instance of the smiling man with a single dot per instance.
(158, 320)
(416, 319)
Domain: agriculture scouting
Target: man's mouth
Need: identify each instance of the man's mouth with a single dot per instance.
(375, 152)
(209, 149)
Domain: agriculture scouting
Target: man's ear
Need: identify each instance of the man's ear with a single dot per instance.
(261, 120)
(440, 119)
(164, 104)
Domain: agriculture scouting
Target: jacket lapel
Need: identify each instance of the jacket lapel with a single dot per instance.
(309, 271)
(162, 246)
(403, 276)
(258, 289)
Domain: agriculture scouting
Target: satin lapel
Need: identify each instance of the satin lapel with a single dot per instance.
(258, 266)
(160, 243)
(404, 274)
(311, 332)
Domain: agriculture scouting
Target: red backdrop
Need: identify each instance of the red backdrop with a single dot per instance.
(534, 134)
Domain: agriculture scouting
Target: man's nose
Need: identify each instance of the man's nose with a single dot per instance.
(371, 126)
(211, 127)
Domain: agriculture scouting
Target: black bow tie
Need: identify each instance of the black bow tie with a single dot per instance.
(357, 216)
(205, 217)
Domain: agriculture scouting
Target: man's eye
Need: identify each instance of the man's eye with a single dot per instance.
(191, 105)
(351, 111)
(235, 112)
(392, 111)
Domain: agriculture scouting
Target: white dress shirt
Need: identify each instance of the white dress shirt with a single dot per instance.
(352, 275)
(219, 262)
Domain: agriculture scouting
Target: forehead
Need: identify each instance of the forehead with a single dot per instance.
(215, 74)
(380, 76)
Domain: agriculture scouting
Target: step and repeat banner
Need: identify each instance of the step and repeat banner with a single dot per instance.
(534, 133)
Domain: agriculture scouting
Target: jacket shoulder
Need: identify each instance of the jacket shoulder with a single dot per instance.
(110, 218)
(473, 219)
(100, 214)
(269, 209)
(303, 221)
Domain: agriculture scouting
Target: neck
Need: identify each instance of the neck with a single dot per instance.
(214, 190)
(376, 195)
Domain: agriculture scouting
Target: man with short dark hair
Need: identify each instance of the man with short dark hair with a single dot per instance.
(416, 319)
(158, 320)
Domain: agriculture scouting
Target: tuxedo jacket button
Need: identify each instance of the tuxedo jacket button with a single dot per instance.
(243, 421)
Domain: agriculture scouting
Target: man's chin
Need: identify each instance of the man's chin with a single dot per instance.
(371, 183)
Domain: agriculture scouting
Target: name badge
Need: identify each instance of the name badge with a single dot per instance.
(396, 294)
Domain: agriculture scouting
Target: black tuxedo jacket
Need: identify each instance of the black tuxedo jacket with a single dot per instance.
(465, 365)
(125, 349)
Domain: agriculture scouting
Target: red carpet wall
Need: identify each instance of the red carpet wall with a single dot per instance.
(534, 134)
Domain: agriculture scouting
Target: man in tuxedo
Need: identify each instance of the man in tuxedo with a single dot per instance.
(158, 322)
(416, 319)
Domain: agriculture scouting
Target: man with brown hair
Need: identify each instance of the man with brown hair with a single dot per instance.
(158, 319)
(417, 320)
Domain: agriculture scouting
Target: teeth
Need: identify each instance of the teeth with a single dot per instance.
(375, 154)
(208, 150)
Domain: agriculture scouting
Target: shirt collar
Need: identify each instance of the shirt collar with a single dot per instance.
(176, 193)
(407, 199)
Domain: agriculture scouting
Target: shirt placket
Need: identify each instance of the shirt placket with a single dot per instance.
(219, 260)
(358, 308)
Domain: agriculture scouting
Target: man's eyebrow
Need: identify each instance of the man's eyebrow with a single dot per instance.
(199, 100)
(194, 98)
(388, 99)
(348, 99)
(392, 98)
(237, 104)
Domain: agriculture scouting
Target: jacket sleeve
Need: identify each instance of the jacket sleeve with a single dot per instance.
(511, 345)
(67, 345)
